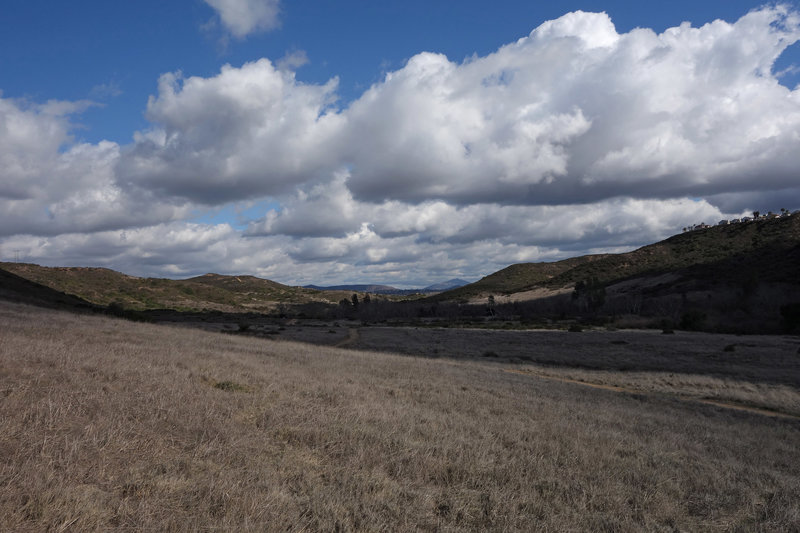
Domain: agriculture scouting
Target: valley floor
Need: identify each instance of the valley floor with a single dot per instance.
(107, 424)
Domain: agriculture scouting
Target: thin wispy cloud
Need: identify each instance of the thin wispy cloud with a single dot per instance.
(244, 17)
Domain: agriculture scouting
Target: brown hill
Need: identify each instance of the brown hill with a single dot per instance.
(516, 278)
(102, 286)
(18, 289)
(768, 250)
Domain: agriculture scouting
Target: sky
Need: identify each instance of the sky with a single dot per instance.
(403, 143)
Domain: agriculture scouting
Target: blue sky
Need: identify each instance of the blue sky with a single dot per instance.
(326, 206)
(113, 52)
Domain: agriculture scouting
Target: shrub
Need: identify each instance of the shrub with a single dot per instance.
(791, 317)
(116, 308)
(693, 320)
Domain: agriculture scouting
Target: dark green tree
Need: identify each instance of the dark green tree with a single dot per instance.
(589, 294)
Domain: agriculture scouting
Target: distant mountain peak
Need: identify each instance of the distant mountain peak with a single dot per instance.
(446, 285)
(387, 289)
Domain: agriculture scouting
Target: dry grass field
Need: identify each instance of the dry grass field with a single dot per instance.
(113, 425)
(750, 371)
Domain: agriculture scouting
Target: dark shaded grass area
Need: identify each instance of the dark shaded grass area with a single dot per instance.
(765, 359)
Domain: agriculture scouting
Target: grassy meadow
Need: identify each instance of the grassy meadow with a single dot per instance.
(113, 425)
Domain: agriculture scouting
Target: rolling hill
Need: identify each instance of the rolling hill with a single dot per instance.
(18, 289)
(515, 278)
(102, 286)
(738, 272)
(768, 250)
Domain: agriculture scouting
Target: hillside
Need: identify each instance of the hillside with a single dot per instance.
(103, 286)
(749, 268)
(516, 278)
(111, 425)
(764, 245)
(18, 289)
(766, 249)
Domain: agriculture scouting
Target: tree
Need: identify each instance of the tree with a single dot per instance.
(756, 213)
(590, 294)
(791, 317)
(355, 300)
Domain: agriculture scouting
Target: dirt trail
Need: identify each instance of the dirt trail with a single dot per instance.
(352, 338)
(681, 397)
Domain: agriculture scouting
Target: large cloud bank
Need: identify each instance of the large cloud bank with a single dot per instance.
(573, 139)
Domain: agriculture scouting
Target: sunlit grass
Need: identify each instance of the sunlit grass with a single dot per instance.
(107, 424)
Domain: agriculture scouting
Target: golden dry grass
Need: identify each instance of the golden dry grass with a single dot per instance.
(111, 425)
(771, 398)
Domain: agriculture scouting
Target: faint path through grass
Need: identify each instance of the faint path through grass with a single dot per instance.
(726, 405)
(352, 338)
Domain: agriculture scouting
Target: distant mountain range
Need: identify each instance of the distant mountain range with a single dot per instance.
(446, 285)
(388, 289)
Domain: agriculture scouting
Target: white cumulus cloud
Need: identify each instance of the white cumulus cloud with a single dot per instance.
(573, 139)
(249, 131)
(49, 184)
(579, 112)
(574, 112)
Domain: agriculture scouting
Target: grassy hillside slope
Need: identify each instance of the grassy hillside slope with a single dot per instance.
(103, 286)
(765, 244)
(516, 277)
(18, 289)
(109, 425)
(768, 249)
